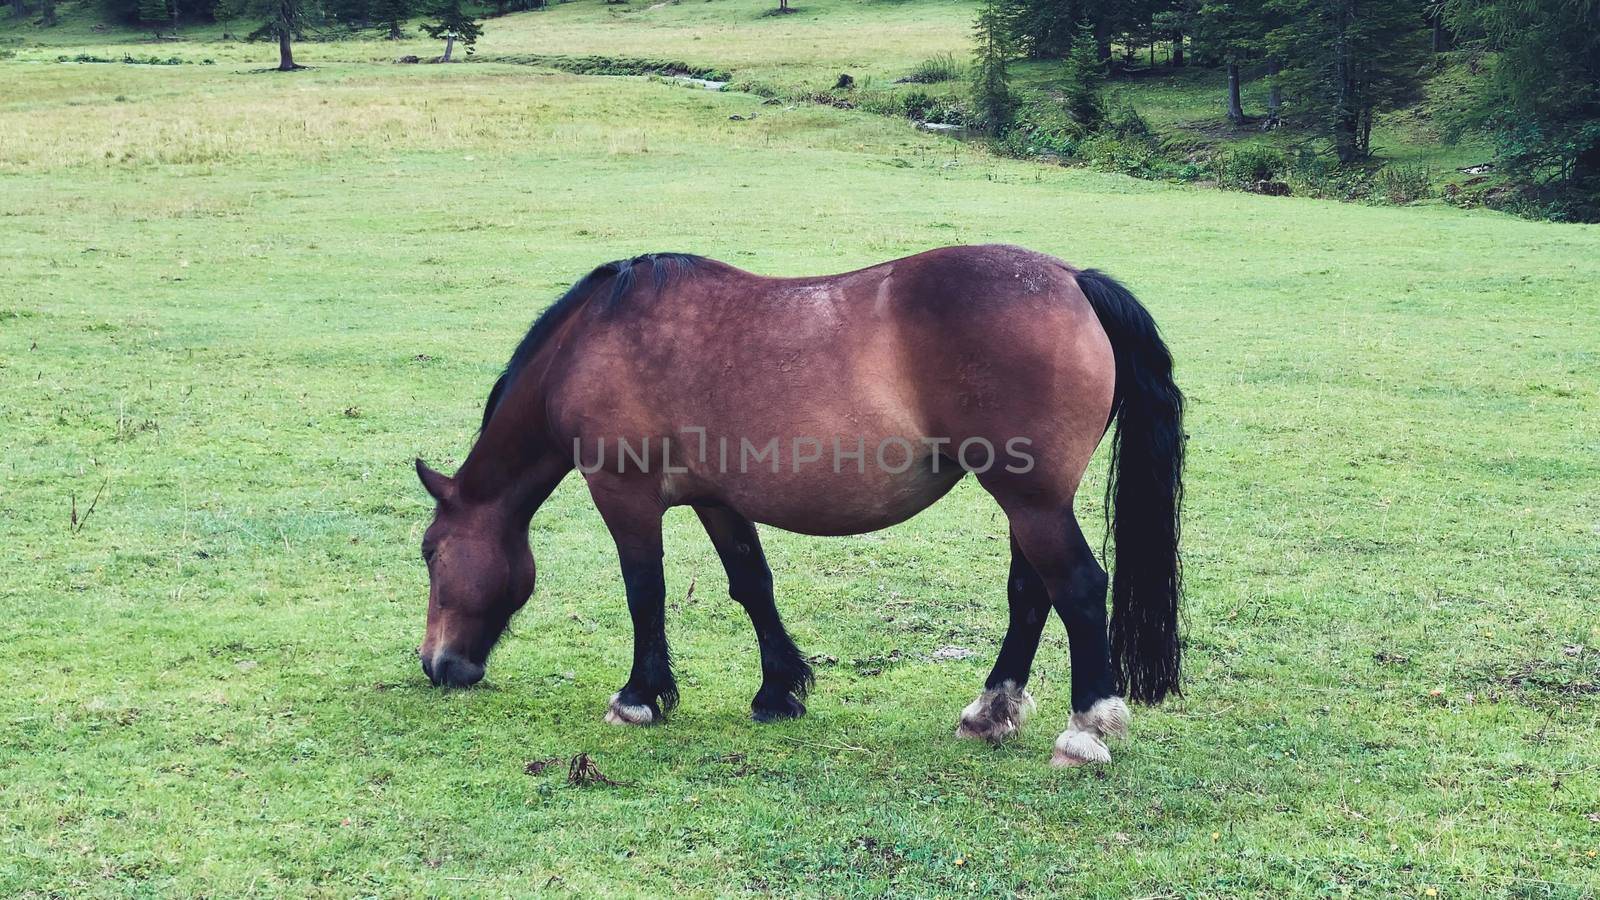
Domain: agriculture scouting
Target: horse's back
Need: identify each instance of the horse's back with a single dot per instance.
(964, 345)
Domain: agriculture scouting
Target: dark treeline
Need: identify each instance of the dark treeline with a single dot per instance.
(1331, 65)
(389, 16)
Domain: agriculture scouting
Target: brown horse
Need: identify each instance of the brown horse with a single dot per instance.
(833, 405)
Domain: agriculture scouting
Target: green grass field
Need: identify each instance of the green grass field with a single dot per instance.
(238, 304)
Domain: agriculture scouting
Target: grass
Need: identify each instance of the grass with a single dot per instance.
(808, 49)
(238, 304)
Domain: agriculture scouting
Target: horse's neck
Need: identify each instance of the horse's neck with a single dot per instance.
(512, 467)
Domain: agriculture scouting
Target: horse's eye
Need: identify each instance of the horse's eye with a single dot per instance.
(427, 553)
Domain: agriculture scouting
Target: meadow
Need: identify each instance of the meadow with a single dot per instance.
(239, 303)
(801, 56)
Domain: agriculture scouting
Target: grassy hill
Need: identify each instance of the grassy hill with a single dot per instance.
(807, 48)
(801, 56)
(239, 303)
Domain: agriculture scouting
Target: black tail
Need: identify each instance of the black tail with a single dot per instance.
(1144, 495)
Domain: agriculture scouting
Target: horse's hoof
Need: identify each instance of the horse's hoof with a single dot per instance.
(1079, 748)
(629, 713)
(996, 714)
(1084, 740)
(788, 706)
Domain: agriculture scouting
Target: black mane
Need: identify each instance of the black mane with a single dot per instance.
(620, 272)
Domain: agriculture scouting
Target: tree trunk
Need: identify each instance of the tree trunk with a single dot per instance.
(449, 46)
(1177, 49)
(395, 33)
(18, 9)
(1274, 92)
(1347, 136)
(1347, 140)
(1235, 108)
(1443, 41)
(48, 13)
(285, 51)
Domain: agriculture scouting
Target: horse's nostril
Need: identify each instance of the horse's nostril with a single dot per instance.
(427, 669)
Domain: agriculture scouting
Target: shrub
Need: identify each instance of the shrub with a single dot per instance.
(916, 105)
(1320, 177)
(1403, 184)
(920, 106)
(1032, 141)
(1125, 122)
(1246, 166)
(1309, 165)
(1115, 154)
(935, 69)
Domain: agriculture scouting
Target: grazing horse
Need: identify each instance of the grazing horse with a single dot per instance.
(833, 405)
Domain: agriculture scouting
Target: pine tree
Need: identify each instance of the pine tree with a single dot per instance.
(452, 24)
(1080, 79)
(1042, 29)
(1233, 33)
(991, 84)
(282, 21)
(1346, 60)
(1541, 99)
(392, 14)
(154, 15)
(354, 13)
(1172, 20)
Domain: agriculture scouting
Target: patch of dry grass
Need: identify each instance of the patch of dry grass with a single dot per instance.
(57, 118)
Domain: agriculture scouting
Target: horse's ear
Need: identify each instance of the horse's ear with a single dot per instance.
(436, 483)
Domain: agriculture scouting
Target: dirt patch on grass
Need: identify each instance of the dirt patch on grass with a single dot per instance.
(1575, 673)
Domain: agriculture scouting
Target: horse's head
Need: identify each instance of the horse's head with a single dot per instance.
(480, 572)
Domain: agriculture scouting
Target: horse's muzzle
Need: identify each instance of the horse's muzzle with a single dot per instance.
(447, 669)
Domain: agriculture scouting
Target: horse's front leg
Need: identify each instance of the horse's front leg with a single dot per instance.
(635, 523)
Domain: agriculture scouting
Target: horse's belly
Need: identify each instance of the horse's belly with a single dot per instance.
(830, 503)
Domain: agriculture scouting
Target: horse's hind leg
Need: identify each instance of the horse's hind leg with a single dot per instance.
(785, 676)
(1000, 710)
(1054, 544)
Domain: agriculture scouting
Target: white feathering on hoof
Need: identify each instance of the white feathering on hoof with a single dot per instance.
(1075, 748)
(1106, 718)
(628, 713)
(996, 714)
